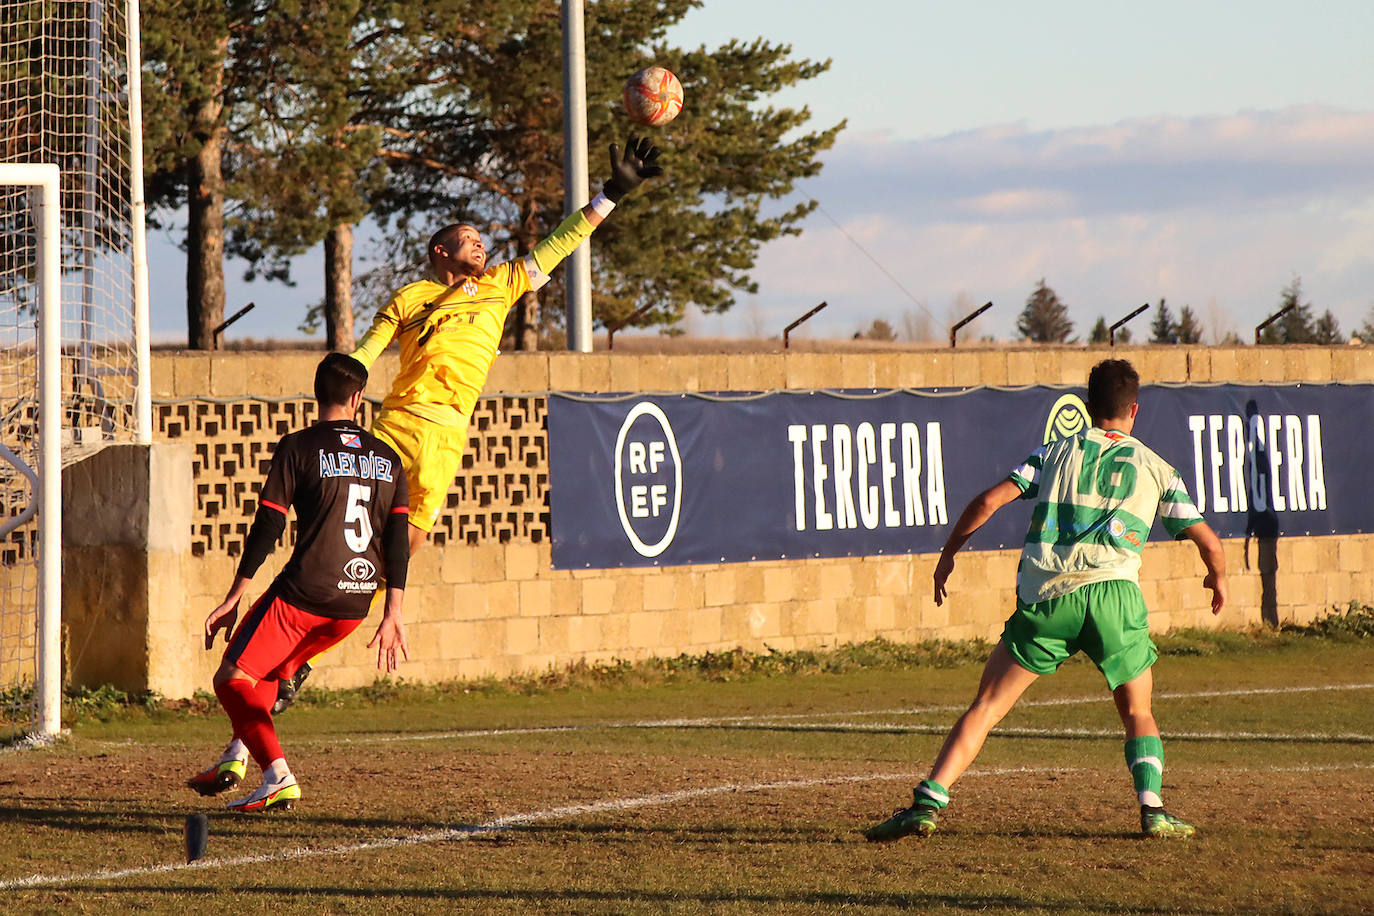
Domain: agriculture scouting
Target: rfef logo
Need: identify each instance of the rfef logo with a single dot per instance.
(648, 479)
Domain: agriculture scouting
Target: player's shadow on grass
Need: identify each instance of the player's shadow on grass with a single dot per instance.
(562, 899)
(52, 813)
(68, 814)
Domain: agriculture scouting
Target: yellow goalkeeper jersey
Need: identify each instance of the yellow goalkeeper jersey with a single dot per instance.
(450, 336)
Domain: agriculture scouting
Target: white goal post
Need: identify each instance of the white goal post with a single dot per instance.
(44, 180)
(74, 322)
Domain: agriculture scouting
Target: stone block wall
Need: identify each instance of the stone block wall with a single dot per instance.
(483, 599)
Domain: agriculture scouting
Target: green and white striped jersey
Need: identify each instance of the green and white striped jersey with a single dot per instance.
(1096, 493)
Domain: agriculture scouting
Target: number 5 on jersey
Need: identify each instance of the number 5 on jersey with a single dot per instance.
(358, 538)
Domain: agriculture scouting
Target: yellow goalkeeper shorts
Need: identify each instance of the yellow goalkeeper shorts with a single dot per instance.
(430, 454)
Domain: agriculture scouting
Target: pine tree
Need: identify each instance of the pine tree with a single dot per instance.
(1296, 326)
(487, 148)
(1327, 330)
(1044, 319)
(880, 329)
(1188, 329)
(303, 117)
(312, 162)
(192, 98)
(1163, 329)
(1100, 333)
(1366, 331)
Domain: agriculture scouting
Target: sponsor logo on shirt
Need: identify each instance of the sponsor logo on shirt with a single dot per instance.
(351, 440)
(470, 288)
(361, 577)
(359, 568)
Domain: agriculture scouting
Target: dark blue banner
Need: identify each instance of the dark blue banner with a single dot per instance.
(712, 478)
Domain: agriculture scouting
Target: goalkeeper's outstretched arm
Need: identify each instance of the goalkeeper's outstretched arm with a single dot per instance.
(628, 171)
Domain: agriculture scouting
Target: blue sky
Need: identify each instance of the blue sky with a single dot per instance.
(1205, 152)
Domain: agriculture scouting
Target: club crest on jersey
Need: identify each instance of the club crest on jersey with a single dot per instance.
(470, 288)
(351, 440)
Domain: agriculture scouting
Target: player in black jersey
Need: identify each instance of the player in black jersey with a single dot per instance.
(351, 503)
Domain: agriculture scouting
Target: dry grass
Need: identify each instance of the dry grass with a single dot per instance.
(413, 805)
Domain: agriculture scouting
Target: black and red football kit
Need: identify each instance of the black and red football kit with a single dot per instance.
(350, 496)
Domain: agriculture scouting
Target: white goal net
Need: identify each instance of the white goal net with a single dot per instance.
(68, 97)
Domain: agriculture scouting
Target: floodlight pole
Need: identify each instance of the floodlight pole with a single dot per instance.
(1111, 332)
(955, 330)
(575, 193)
(1271, 319)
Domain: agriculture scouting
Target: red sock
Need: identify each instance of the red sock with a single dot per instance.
(250, 712)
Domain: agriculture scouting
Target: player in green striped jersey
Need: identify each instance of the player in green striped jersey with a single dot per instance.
(1096, 495)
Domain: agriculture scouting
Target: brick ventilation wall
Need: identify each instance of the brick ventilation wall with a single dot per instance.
(500, 495)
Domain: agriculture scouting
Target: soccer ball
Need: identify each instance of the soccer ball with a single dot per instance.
(653, 97)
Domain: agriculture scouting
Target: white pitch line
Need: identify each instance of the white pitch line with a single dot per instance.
(1021, 732)
(775, 719)
(1059, 701)
(778, 718)
(452, 834)
(549, 814)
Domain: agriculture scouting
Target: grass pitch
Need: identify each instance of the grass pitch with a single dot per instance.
(742, 794)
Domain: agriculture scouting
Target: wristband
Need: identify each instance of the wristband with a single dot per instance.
(602, 205)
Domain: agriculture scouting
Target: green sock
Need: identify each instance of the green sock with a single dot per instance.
(932, 794)
(1145, 758)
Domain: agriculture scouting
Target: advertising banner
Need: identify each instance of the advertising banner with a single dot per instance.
(732, 477)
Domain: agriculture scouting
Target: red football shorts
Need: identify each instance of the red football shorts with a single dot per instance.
(276, 638)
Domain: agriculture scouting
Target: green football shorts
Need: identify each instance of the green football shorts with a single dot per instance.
(1106, 620)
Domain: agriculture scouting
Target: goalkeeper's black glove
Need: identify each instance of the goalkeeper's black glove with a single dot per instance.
(630, 170)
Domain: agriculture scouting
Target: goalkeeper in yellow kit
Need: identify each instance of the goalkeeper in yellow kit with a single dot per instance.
(450, 330)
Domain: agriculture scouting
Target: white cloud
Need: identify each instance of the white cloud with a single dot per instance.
(1144, 164)
(1017, 203)
(1223, 209)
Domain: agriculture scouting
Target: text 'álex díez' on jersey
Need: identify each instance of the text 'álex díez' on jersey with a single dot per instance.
(350, 464)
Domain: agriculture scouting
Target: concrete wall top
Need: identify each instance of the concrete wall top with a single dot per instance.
(286, 373)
